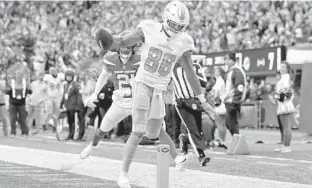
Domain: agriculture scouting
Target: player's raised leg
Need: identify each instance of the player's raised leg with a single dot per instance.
(114, 115)
(141, 103)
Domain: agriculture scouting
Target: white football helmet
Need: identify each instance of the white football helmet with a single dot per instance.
(176, 18)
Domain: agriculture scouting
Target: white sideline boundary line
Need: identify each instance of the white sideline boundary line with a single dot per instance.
(277, 164)
(227, 159)
(151, 148)
(141, 174)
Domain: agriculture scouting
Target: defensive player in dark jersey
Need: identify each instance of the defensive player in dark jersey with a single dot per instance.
(123, 66)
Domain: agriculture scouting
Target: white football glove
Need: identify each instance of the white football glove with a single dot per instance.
(101, 96)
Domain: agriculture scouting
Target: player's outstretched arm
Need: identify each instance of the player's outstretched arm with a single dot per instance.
(187, 65)
(101, 81)
(128, 40)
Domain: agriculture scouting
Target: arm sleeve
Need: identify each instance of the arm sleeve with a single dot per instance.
(187, 65)
(131, 39)
(102, 80)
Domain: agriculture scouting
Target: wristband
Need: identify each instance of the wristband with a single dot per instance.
(201, 98)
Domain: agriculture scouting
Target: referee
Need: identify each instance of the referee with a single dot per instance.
(190, 111)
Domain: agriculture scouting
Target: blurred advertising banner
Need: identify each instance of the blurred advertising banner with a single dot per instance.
(261, 61)
(299, 54)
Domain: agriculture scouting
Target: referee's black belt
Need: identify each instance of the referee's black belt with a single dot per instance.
(192, 103)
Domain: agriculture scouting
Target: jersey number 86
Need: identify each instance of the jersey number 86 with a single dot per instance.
(159, 61)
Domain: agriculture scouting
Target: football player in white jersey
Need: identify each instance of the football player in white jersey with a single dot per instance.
(164, 45)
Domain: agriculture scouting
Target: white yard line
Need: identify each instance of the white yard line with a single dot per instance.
(14, 167)
(48, 174)
(20, 170)
(303, 161)
(140, 174)
(277, 164)
(151, 148)
(62, 179)
(227, 159)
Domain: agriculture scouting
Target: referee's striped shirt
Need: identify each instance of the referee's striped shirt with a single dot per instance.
(182, 88)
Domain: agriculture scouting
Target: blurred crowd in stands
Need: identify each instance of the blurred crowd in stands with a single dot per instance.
(64, 29)
(58, 35)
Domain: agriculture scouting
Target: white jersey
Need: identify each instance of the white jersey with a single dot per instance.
(54, 85)
(159, 54)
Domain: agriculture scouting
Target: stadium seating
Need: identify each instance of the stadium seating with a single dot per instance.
(65, 28)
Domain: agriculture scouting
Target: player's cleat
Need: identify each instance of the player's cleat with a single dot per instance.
(222, 145)
(217, 143)
(86, 151)
(181, 162)
(123, 181)
(279, 149)
(203, 161)
(286, 149)
(184, 143)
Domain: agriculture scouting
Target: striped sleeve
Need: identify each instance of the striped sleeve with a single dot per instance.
(182, 87)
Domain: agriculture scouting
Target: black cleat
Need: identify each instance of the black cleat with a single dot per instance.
(203, 161)
(218, 143)
(222, 145)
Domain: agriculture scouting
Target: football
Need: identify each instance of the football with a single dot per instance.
(104, 38)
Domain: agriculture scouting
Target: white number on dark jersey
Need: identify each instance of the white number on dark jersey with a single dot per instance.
(124, 85)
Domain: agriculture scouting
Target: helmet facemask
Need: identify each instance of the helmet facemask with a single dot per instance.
(172, 28)
(125, 53)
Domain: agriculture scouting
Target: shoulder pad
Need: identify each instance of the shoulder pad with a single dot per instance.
(109, 54)
(147, 23)
(149, 26)
(109, 58)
